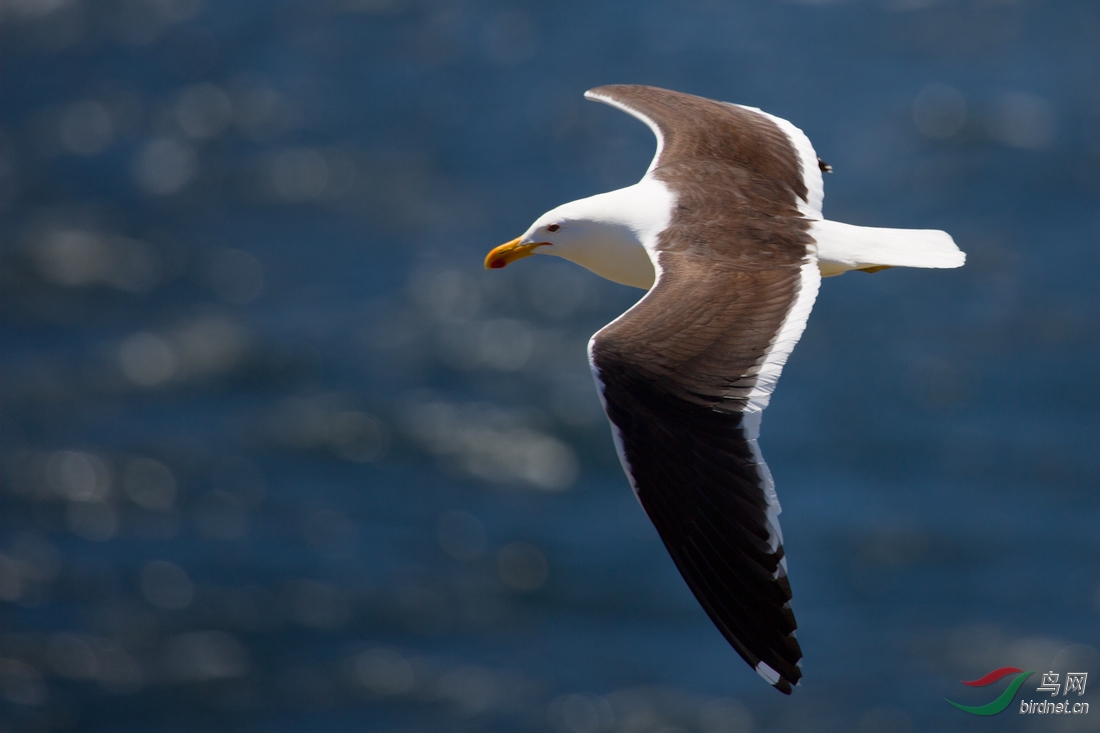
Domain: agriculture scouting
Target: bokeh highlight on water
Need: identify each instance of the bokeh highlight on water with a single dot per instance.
(279, 455)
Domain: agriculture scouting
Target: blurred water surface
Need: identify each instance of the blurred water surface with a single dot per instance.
(279, 455)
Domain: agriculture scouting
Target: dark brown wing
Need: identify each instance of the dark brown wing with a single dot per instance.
(681, 378)
(690, 128)
(686, 372)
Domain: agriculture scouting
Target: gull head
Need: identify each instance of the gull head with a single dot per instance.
(610, 234)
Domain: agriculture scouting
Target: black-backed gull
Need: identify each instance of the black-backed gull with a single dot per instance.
(725, 232)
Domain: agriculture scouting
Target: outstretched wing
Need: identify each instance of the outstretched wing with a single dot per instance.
(684, 375)
(686, 372)
(687, 126)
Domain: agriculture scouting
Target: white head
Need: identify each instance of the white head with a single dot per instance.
(609, 234)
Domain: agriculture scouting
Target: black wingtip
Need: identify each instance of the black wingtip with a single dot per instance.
(825, 167)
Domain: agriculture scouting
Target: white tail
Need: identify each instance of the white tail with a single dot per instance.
(843, 247)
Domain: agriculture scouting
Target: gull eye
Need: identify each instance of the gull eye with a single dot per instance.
(553, 228)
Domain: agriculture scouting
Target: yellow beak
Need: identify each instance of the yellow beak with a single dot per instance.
(509, 252)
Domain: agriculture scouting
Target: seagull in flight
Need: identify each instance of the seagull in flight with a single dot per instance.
(725, 233)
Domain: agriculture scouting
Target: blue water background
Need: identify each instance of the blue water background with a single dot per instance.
(279, 455)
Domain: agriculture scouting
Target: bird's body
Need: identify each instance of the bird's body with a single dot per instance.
(725, 232)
